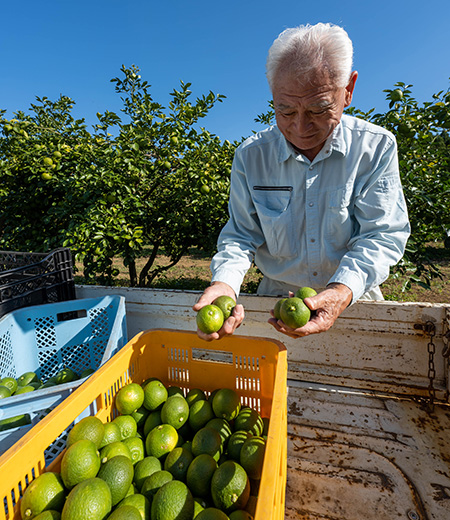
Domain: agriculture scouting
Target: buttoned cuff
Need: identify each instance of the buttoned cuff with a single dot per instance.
(233, 279)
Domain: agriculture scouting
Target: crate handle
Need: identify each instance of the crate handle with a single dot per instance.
(218, 356)
(71, 315)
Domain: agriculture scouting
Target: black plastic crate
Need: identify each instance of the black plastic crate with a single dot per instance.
(35, 278)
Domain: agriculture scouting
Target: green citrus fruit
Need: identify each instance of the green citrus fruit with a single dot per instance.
(277, 308)
(396, 95)
(154, 482)
(27, 378)
(252, 456)
(136, 447)
(199, 414)
(86, 372)
(111, 434)
(126, 512)
(90, 428)
(81, 461)
(49, 515)
(44, 493)
(47, 161)
(199, 475)
(129, 398)
(153, 420)
(140, 416)
(294, 313)
(240, 514)
(4, 392)
(222, 426)
(144, 468)
(173, 501)
(24, 389)
(177, 462)
(161, 440)
(305, 292)
(175, 411)
(14, 422)
(113, 449)
(127, 426)
(65, 375)
(226, 304)
(212, 513)
(250, 420)
(235, 443)
(140, 502)
(174, 390)
(10, 383)
(209, 319)
(118, 474)
(155, 395)
(199, 505)
(89, 499)
(195, 394)
(207, 440)
(230, 487)
(226, 404)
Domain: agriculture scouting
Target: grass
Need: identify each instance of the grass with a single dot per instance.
(192, 273)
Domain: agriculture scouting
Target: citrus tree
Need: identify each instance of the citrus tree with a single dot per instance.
(155, 182)
(422, 133)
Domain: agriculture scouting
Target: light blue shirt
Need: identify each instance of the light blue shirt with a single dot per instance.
(340, 218)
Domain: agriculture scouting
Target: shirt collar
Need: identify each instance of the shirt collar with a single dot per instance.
(336, 142)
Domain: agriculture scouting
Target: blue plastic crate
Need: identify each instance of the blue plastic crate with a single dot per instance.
(46, 338)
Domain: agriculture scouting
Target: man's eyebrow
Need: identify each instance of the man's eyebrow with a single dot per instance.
(282, 106)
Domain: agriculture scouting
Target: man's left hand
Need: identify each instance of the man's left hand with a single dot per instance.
(328, 305)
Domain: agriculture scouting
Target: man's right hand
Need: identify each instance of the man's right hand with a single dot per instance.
(212, 292)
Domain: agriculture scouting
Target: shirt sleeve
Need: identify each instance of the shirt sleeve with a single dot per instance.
(381, 228)
(241, 235)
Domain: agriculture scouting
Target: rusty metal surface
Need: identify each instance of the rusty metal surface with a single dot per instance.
(356, 456)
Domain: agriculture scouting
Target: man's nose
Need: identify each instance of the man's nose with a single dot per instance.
(302, 124)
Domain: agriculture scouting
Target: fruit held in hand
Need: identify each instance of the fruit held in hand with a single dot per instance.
(210, 319)
(226, 304)
(294, 312)
(305, 292)
(277, 308)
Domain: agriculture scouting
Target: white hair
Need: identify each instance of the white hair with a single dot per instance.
(303, 50)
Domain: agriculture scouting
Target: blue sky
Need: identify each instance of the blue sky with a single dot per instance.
(53, 47)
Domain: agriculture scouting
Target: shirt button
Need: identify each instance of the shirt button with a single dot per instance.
(311, 167)
(313, 240)
(315, 273)
(311, 204)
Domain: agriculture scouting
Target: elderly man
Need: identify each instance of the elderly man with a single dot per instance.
(316, 200)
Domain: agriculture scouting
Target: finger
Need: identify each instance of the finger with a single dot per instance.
(207, 337)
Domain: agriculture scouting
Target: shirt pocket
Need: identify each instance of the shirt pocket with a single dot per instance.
(274, 208)
(339, 216)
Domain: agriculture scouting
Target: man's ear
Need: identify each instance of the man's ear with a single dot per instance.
(350, 88)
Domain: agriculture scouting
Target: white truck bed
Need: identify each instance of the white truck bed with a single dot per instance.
(363, 441)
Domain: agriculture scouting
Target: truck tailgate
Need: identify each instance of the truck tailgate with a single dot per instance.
(363, 442)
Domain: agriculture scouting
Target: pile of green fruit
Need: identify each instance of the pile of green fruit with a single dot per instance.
(29, 382)
(167, 455)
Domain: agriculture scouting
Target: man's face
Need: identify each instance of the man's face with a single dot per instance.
(307, 112)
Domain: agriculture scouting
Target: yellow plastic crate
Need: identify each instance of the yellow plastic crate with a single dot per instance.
(255, 367)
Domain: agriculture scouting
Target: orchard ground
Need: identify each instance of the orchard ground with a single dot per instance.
(192, 273)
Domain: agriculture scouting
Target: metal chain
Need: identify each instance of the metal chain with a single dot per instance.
(431, 329)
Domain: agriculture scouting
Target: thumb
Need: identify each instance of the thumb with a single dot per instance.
(313, 302)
